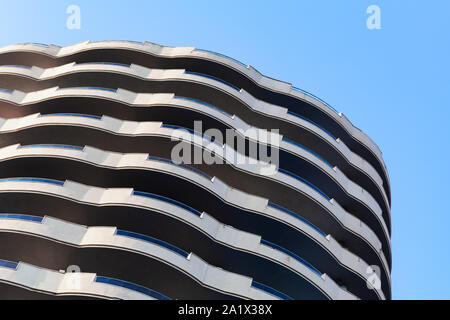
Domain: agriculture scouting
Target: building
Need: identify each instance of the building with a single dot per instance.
(93, 205)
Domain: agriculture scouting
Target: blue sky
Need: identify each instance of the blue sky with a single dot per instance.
(393, 83)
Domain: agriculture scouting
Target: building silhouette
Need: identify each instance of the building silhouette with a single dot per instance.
(93, 205)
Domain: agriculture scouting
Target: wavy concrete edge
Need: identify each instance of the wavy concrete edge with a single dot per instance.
(132, 99)
(173, 52)
(124, 197)
(154, 128)
(193, 266)
(234, 197)
(256, 105)
(59, 283)
(228, 155)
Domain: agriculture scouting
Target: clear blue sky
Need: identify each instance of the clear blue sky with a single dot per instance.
(393, 83)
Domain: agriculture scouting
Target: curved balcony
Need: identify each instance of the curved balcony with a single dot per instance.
(159, 147)
(152, 255)
(95, 206)
(195, 87)
(162, 111)
(212, 64)
(19, 280)
(168, 179)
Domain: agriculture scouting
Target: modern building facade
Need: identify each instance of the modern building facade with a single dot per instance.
(94, 206)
